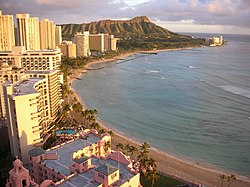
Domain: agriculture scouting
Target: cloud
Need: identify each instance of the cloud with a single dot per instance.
(201, 12)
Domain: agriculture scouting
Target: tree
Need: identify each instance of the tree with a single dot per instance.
(222, 177)
(102, 131)
(143, 157)
(132, 150)
(120, 146)
(230, 178)
(111, 133)
(144, 147)
(127, 147)
(151, 164)
(95, 126)
(107, 146)
(153, 176)
(78, 107)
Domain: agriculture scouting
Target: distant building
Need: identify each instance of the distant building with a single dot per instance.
(68, 49)
(96, 42)
(215, 41)
(28, 34)
(47, 34)
(58, 35)
(7, 35)
(31, 106)
(109, 42)
(82, 44)
(102, 42)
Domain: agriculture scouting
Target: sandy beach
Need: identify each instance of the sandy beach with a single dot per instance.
(167, 164)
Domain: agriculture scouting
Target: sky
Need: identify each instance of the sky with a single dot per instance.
(202, 16)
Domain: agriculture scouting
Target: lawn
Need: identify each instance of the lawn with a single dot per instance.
(163, 181)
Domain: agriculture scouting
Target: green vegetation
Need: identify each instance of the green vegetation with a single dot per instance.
(138, 33)
(162, 181)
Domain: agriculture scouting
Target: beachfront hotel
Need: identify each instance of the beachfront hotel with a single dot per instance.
(47, 34)
(28, 34)
(85, 161)
(82, 44)
(58, 35)
(102, 42)
(68, 49)
(7, 35)
(31, 106)
(32, 60)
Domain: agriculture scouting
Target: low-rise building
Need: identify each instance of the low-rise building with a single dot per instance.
(87, 161)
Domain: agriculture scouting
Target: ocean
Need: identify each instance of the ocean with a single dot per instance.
(193, 104)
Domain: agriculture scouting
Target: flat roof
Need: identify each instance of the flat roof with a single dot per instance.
(36, 151)
(25, 87)
(85, 179)
(65, 153)
(106, 169)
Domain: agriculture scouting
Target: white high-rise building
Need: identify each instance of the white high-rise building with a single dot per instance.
(28, 32)
(7, 36)
(82, 44)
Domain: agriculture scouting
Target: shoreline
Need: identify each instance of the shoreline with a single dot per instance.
(167, 164)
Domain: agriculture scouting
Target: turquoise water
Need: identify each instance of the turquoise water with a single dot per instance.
(66, 131)
(193, 104)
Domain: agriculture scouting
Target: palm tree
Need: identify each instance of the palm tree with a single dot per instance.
(95, 126)
(222, 177)
(127, 147)
(144, 147)
(107, 146)
(151, 164)
(132, 150)
(111, 133)
(101, 131)
(78, 107)
(153, 176)
(231, 178)
(142, 159)
(120, 146)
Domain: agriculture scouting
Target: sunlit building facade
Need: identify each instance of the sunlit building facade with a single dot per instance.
(7, 35)
(28, 34)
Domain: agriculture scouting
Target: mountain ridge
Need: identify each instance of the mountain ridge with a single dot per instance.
(140, 25)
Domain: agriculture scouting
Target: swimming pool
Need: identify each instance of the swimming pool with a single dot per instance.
(66, 132)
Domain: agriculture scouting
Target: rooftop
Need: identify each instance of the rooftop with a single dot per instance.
(25, 87)
(65, 153)
(36, 152)
(106, 169)
(108, 166)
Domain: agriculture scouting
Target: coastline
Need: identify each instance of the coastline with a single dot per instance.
(166, 163)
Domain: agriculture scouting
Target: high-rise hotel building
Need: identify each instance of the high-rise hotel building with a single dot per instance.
(7, 35)
(31, 107)
(102, 42)
(22, 60)
(47, 34)
(82, 44)
(28, 34)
